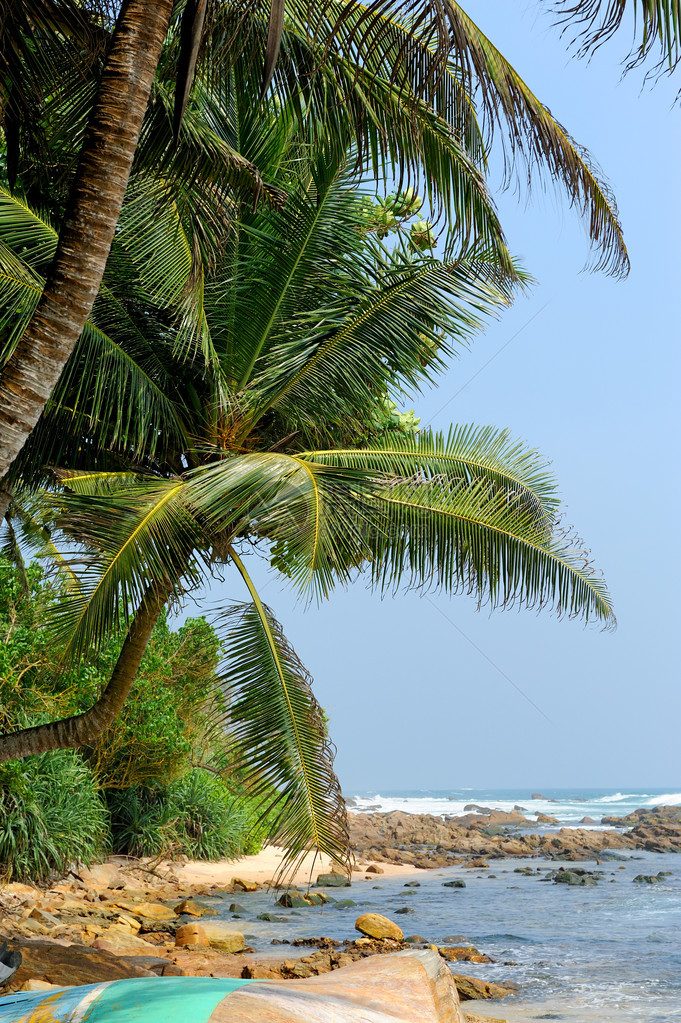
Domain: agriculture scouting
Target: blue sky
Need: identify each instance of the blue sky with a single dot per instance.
(432, 694)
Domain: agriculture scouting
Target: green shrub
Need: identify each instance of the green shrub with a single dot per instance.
(195, 816)
(51, 815)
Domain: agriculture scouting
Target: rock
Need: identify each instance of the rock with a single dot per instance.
(223, 938)
(587, 820)
(155, 964)
(293, 900)
(538, 795)
(454, 884)
(415, 939)
(236, 907)
(120, 942)
(47, 919)
(476, 808)
(649, 878)
(477, 865)
(245, 886)
(575, 877)
(270, 918)
(344, 904)
(151, 911)
(39, 985)
(413, 884)
(101, 875)
(463, 953)
(521, 809)
(376, 926)
(191, 934)
(405, 909)
(470, 988)
(373, 869)
(190, 908)
(66, 965)
(334, 880)
(473, 1017)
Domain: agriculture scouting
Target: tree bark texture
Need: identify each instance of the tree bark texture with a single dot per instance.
(89, 223)
(84, 728)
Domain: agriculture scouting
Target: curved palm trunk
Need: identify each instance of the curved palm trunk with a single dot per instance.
(89, 224)
(83, 728)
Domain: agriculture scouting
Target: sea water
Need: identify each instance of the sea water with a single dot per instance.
(604, 954)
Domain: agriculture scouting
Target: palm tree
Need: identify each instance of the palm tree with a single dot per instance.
(379, 64)
(252, 422)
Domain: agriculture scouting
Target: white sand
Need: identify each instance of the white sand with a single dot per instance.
(264, 865)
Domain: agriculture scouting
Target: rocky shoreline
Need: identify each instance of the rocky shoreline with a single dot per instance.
(426, 842)
(126, 918)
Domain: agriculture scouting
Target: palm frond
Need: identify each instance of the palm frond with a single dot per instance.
(27, 231)
(123, 538)
(393, 320)
(655, 24)
(465, 455)
(474, 540)
(535, 135)
(279, 742)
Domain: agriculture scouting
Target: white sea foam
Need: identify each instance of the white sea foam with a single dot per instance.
(620, 797)
(668, 799)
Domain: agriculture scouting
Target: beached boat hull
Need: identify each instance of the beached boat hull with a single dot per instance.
(399, 988)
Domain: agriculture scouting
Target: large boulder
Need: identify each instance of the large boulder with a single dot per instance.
(376, 926)
(66, 965)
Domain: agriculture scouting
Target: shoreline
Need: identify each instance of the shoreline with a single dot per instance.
(130, 912)
(263, 866)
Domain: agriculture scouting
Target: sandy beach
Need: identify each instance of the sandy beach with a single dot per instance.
(263, 867)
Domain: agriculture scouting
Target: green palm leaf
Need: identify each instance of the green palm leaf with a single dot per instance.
(471, 539)
(278, 738)
(466, 454)
(389, 323)
(535, 135)
(125, 532)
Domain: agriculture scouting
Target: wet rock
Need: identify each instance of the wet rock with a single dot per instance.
(587, 820)
(649, 878)
(470, 988)
(236, 907)
(374, 925)
(190, 908)
(413, 884)
(344, 904)
(458, 883)
(463, 953)
(244, 886)
(333, 880)
(293, 900)
(270, 918)
(575, 877)
(543, 818)
(538, 795)
(223, 938)
(405, 909)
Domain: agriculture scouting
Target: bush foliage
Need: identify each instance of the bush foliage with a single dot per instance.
(141, 789)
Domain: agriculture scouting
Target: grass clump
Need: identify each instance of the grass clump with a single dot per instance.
(51, 815)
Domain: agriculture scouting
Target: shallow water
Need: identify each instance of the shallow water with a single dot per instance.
(604, 954)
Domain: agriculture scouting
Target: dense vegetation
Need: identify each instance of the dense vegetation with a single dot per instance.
(152, 785)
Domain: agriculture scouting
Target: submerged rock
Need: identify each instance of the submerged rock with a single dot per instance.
(333, 880)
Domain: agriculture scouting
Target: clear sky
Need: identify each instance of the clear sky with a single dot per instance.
(591, 378)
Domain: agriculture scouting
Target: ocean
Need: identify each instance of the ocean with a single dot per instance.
(604, 954)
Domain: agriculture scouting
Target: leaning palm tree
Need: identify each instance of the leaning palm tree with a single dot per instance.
(379, 62)
(245, 412)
